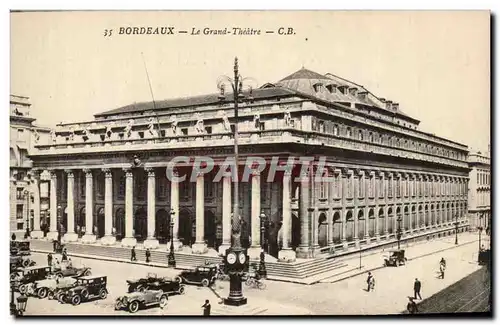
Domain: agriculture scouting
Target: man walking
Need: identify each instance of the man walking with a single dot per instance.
(148, 255)
(132, 255)
(49, 259)
(206, 308)
(369, 281)
(416, 289)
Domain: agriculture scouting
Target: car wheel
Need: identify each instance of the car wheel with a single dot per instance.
(22, 288)
(84, 294)
(118, 304)
(42, 293)
(103, 294)
(133, 307)
(59, 275)
(261, 285)
(76, 300)
(88, 273)
(26, 263)
(60, 298)
(13, 276)
(163, 301)
(205, 282)
(181, 290)
(50, 294)
(178, 279)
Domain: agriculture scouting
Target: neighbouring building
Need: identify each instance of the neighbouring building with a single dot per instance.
(479, 191)
(24, 134)
(385, 173)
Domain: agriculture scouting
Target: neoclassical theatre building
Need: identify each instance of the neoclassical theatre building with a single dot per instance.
(105, 180)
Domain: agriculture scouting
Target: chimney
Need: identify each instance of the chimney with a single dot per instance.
(388, 104)
(395, 106)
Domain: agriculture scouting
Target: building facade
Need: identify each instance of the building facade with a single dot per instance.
(107, 177)
(24, 134)
(479, 191)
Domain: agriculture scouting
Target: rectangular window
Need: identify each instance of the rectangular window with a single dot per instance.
(381, 187)
(398, 187)
(161, 190)
(82, 185)
(390, 186)
(349, 186)
(20, 226)
(209, 188)
(184, 190)
(208, 129)
(322, 190)
(184, 131)
(121, 187)
(336, 186)
(19, 211)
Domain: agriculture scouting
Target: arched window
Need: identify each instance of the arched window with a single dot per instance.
(360, 135)
(371, 137)
(335, 129)
(348, 132)
(317, 87)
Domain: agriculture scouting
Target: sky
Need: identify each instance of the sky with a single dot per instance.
(436, 65)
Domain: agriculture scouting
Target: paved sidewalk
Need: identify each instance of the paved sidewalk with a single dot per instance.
(376, 261)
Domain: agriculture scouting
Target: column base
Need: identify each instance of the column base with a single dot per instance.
(287, 255)
(151, 243)
(108, 240)
(69, 237)
(199, 248)
(129, 242)
(52, 235)
(254, 252)
(36, 234)
(222, 249)
(303, 252)
(89, 239)
(177, 245)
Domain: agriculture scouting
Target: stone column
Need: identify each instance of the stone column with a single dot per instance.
(344, 174)
(303, 251)
(52, 234)
(286, 253)
(35, 188)
(226, 215)
(70, 234)
(331, 188)
(174, 207)
(387, 182)
(89, 236)
(129, 240)
(108, 238)
(377, 201)
(200, 247)
(151, 242)
(255, 248)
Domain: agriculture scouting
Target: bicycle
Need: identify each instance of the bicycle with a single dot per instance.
(254, 283)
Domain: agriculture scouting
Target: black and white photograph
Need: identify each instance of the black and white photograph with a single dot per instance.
(250, 163)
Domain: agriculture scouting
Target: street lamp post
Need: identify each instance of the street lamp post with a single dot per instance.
(27, 195)
(398, 233)
(456, 229)
(236, 256)
(171, 255)
(262, 264)
(59, 217)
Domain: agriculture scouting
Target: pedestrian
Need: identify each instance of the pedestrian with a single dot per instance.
(416, 289)
(206, 308)
(148, 255)
(49, 259)
(132, 255)
(54, 245)
(369, 281)
(412, 306)
(443, 261)
(65, 254)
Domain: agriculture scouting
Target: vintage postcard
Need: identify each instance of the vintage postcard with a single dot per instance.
(227, 163)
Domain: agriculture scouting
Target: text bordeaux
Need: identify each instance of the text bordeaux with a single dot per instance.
(165, 30)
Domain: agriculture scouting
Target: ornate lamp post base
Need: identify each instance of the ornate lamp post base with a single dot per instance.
(236, 297)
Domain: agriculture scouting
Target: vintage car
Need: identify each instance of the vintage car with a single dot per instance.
(19, 247)
(204, 275)
(19, 261)
(23, 277)
(47, 287)
(147, 298)
(395, 258)
(168, 286)
(72, 272)
(140, 284)
(87, 288)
